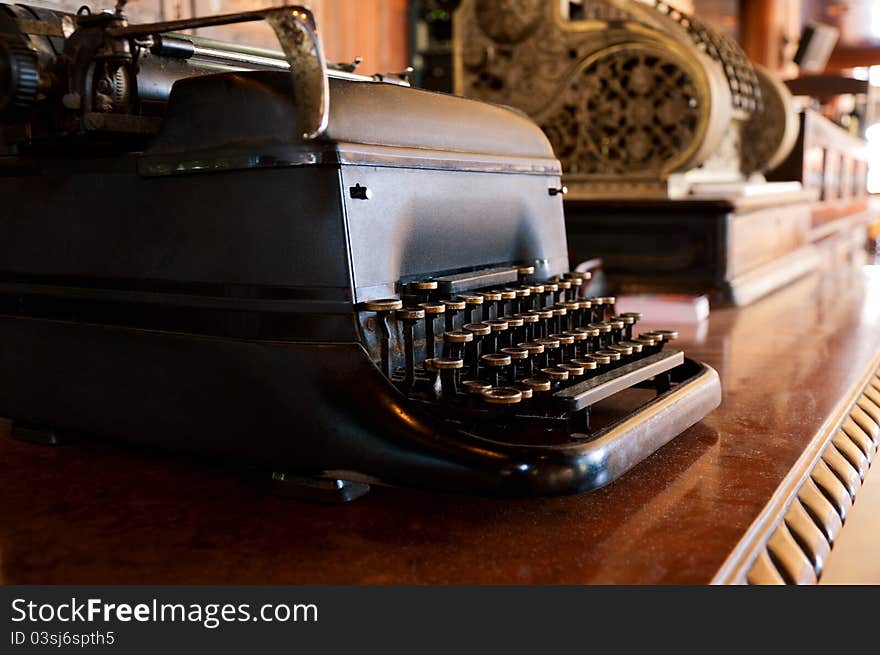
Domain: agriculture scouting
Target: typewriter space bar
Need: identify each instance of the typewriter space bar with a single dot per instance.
(584, 394)
(475, 279)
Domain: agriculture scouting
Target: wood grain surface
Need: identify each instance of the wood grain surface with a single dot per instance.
(90, 512)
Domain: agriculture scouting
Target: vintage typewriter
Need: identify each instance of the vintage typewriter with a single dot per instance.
(270, 259)
(664, 129)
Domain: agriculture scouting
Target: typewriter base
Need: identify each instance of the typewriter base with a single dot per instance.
(736, 251)
(239, 400)
(35, 434)
(317, 489)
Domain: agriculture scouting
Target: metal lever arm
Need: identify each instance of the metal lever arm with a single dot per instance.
(296, 31)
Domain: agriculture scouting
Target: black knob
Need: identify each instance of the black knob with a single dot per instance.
(19, 78)
(359, 192)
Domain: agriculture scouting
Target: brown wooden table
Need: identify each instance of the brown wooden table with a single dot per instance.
(91, 512)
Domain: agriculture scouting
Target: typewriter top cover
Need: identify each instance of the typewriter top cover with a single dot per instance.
(268, 258)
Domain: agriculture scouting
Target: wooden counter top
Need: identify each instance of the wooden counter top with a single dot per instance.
(97, 513)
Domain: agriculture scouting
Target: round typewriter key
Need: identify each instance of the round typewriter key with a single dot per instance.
(534, 350)
(474, 304)
(573, 310)
(574, 370)
(541, 389)
(565, 343)
(579, 340)
(502, 396)
(447, 368)
(432, 310)
(592, 335)
(604, 333)
(616, 330)
(491, 300)
(657, 346)
(408, 316)
(668, 335)
(628, 322)
(529, 322)
(586, 313)
(479, 331)
(516, 332)
(475, 387)
(507, 300)
(555, 374)
(609, 302)
(383, 305)
(516, 355)
(623, 351)
(587, 363)
(525, 390)
(536, 291)
(563, 339)
(649, 344)
(559, 314)
(663, 337)
(549, 296)
(453, 307)
(444, 363)
(614, 357)
(635, 345)
(542, 326)
(454, 343)
(564, 290)
(537, 385)
(551, 346)
(600, 358)
(497, 327)
(422, 289)
(495, 360)
(458, 336)
(494, 363)
(522, 293)
(523, 272)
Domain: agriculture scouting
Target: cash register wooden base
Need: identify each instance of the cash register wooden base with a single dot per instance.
(734, 250)
(89, 512)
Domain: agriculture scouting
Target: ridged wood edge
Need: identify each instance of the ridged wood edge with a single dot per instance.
(790, 540)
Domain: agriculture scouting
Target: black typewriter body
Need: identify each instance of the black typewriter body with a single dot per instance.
(388, 300)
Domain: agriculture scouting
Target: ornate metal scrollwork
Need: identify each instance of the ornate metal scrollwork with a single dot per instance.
(628, 109)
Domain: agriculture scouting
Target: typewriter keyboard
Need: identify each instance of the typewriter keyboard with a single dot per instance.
(518, 362)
